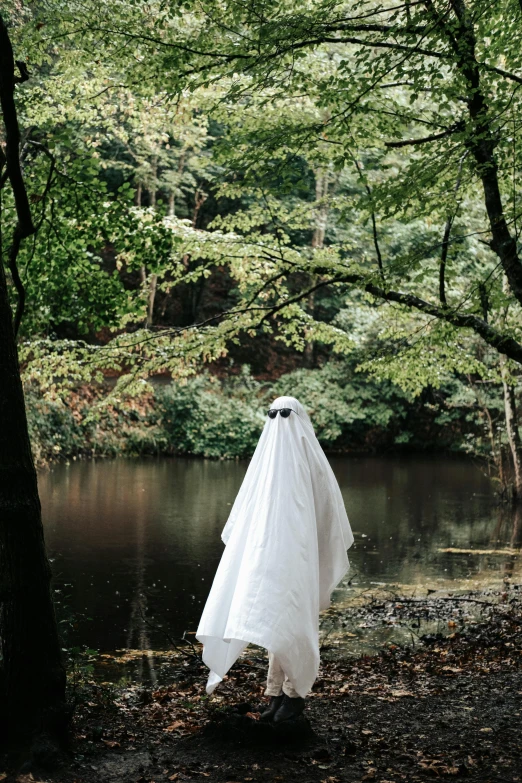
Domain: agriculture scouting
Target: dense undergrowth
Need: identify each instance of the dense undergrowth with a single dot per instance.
(217, 417)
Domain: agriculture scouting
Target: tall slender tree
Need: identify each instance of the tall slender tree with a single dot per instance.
(32, 675)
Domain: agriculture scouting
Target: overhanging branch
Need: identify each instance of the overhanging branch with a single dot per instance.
(458, 126)
(501, 342)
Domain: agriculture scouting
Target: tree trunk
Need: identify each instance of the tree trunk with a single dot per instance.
(321, 219)
(32, 684)
(510, 412)
(139, 195)
(153, 282)
(512, 428)
(321, 210)
(496, 455)
(482, 143)
(32, 676)
(496, 462)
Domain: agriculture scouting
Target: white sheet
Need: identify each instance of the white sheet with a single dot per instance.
(286, 540)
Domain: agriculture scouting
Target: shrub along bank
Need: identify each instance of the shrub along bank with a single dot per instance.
(214, 417)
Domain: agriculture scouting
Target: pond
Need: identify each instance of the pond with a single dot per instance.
(135, 544)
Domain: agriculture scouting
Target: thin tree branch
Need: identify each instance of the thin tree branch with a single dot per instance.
(443, 259)
(298, 298)
(445, 240)
(506, 74)
(375, 28)
(458, 126)
(43, 199)
(278, 52)
(376, 240)
(374, 221)
(372, 44)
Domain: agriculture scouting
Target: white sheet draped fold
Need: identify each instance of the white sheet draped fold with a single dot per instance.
(286, 540)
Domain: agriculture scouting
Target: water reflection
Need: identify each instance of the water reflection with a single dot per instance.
(136, 543)
(138, 628)
(509, 529)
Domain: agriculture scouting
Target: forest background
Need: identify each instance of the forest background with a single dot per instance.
(170, 217)
(306, 218)
(206, 204)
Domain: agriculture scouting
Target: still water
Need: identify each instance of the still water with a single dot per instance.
(135, 544)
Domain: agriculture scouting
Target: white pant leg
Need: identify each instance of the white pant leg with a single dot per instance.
(289, 689)
(276, 676)
(277, 681)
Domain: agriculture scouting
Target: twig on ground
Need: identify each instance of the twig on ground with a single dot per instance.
(170, 638)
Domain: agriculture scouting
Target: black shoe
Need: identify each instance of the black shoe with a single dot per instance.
(275, 703)
(290, 708)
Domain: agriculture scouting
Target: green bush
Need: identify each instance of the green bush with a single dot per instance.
(348, 409)
(61, 430)
(54, 431)
(209, 418)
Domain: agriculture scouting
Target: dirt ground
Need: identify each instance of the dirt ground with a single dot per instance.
(450, 709)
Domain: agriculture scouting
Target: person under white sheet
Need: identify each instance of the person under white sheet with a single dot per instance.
(286, 540)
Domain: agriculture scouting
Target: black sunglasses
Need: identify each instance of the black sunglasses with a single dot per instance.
(285, 412)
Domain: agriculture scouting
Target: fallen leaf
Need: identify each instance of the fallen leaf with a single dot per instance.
(3, 775)
(486, 729)
(111, 743)
(403, 694)
(173, 726)
(253, 715)
(175, 776)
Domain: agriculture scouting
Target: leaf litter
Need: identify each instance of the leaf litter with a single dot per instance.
(446, 706)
